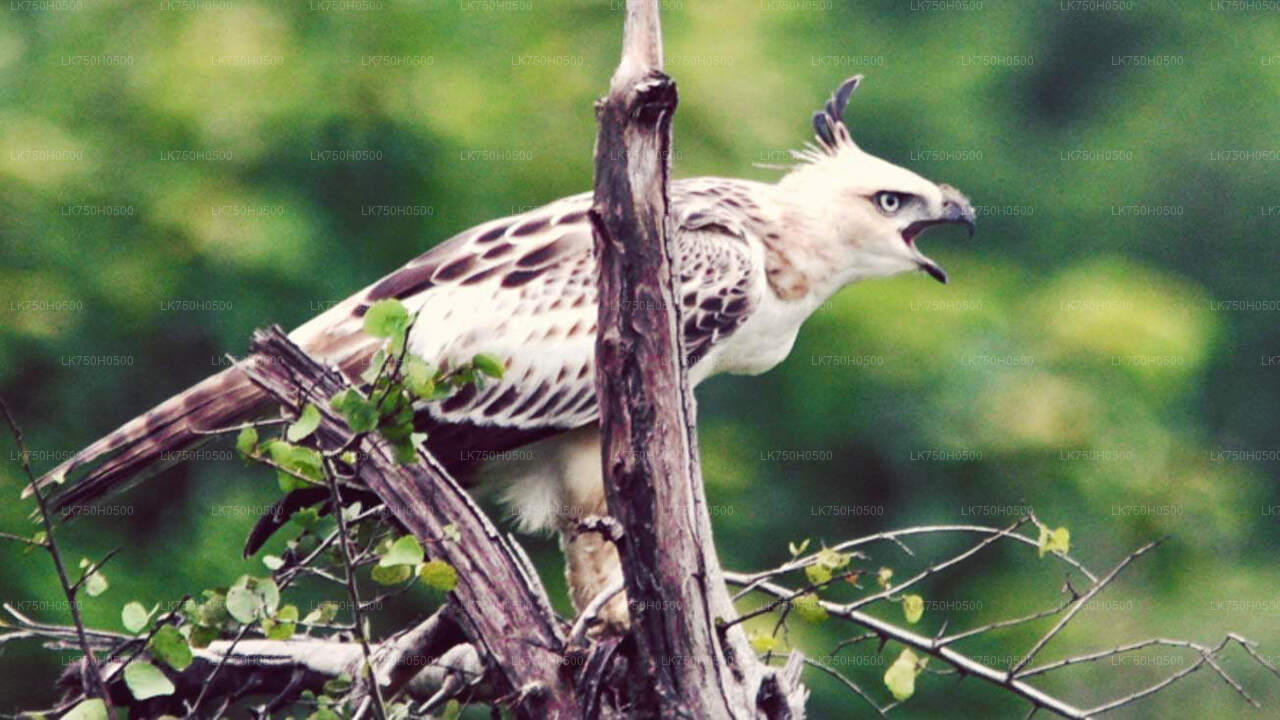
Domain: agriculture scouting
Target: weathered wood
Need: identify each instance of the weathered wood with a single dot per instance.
(421, 661)
(683, 666)
(503, 608)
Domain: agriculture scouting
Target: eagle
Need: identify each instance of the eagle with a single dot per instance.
(755, 260)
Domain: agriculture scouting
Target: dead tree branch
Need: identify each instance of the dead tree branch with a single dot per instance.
(683, 665)
(428, 660)
(1015, 679)
(503, 608)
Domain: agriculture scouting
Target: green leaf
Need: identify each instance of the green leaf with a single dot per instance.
(900, 678)
(762, 642)
(883, 577)
(201, 636)
(1054, 540)
(146, 681)
(247, 441)
(91, 709)
(386, 318)
(817, 574)
(913, 608)
(323, 614)
(242, 605)
(809, 609)
(339, 402)
(452, 711)
(832, 560)
(213, 611)
(306, 424)
(352, 511)
(393, 575)
(371, 373)
(797, 549)
(95, 583)
(488, 365)
(405, 453)
(37, 539)
(273, 562)
(276, 630)
(404, 551)
(338, 685)
(438, 574)
(306, 518)
(324, 713)
(303, 461)
(168, 646)
(360, 413)
(252, 598)
(268, 590)
(418, 377)
(134, 617)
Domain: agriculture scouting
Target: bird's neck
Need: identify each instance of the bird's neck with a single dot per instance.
(805, 263)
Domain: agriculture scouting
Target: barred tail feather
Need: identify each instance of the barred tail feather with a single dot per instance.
(155, 440)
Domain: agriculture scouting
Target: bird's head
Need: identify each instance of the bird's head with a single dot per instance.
(873, 210)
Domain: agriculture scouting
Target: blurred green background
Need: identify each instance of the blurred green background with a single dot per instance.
(1106, 352)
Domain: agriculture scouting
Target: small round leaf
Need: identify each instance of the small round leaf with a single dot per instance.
(146, 681)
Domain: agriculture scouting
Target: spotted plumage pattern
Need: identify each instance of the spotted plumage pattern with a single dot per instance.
(521, 288)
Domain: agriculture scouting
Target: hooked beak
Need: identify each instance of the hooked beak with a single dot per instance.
(955, 210)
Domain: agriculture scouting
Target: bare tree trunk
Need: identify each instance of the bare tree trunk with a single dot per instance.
(503, 608)
(683, 665)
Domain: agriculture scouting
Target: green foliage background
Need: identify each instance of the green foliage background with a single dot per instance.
(1071, 324)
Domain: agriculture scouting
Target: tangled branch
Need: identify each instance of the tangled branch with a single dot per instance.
(1015, 679)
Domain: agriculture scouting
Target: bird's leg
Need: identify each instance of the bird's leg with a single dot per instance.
(587, 536)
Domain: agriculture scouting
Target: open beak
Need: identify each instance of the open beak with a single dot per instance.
(955, 210)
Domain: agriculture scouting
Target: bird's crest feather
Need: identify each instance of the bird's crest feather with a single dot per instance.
(828, 122)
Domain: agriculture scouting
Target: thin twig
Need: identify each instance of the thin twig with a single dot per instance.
(21, 539)
(893, 536)
(142, 642)
(937, 567)
(947, 640)
(929, 646)
(853, 641)
(1079, 604)
(51, 545)
(768, 607)
(353, 591)
(1206, 653)
(93, 568)
(243, 426)
(881, 711)
(208, 682)
(1098, 655)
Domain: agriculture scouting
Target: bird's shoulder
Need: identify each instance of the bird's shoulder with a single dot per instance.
(523, 288)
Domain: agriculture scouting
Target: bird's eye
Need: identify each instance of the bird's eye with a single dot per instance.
(889, 202)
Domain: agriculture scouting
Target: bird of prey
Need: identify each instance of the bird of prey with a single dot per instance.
(755, 260)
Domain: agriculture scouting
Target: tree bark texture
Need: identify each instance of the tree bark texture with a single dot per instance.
(683, 665)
